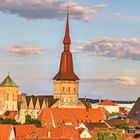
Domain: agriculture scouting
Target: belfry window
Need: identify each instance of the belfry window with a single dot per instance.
(13, 96)
(7, 96)
(68, 89)
(63, 89)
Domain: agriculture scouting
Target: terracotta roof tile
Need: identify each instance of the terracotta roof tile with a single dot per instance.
(62, 116)
(130, 122)
(9, 114)
(5, 131)
(108, 103)
(91, 126)
(30, 131)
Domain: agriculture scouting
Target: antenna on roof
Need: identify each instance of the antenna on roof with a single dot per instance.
(100, 97)
(8, 73)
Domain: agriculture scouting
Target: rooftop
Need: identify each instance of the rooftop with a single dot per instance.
(8, 82)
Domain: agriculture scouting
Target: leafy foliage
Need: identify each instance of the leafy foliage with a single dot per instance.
(30, 120)
(112, 114)
(124, 126)
(9, 121)
(109, 135)
(19, 106)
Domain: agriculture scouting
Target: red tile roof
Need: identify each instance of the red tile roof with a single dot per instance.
(57, 117)
(104, 110)
(24, 130)
(5, 131)
(43, 139)
(130, 122)
(9, 114)
(108, 103)
(30, 131)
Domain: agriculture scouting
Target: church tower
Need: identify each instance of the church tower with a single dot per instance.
(9, 92)
(66, 82)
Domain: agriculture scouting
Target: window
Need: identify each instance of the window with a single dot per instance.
(7, 96)
(68, 99)
(63, 89)
(13, 96)
(68, 89)
(68, 123)
(85, 136)
(64, 99)
(74, 115)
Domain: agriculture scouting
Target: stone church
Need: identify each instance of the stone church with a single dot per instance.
(9, 93)
(66, 86)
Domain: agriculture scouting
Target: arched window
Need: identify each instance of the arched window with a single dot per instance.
(63, 89)
(7, 96)
(69, 89)
(13, 97)
(64, 99)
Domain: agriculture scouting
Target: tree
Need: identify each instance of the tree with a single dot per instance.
(30, 120)
(112, 114)
(109, 135)
(9, 121)
(124, 126)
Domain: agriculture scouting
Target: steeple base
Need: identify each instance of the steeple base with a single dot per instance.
(67, 92)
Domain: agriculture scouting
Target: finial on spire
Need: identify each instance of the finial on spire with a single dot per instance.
(8, 73)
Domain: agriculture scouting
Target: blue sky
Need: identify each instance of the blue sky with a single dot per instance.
(105, 45)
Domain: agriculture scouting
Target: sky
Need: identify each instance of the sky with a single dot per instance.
(105, 37)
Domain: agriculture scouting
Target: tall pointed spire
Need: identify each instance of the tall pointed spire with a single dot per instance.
(67, 40)
(66, 71)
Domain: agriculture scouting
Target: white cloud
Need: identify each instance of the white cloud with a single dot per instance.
(117, 14)
(127, 81)
(21, 50)
(123, 81)
(47, 9)
(124, 48)
(102, 5)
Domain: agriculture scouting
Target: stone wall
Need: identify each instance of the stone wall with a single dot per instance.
(8, 99)
(66, 92)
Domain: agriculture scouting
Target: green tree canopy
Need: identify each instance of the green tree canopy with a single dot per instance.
(9, 121)
(124, 126)
(109, 135)
(30, 120)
